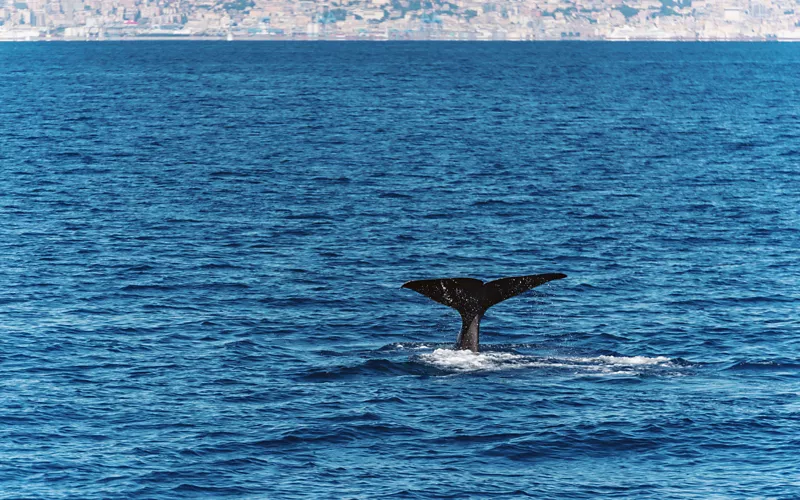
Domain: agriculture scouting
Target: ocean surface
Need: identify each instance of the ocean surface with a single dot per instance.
(202, 247)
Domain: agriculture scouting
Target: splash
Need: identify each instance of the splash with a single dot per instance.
(468, 361)
(464, 360)
(632, 360)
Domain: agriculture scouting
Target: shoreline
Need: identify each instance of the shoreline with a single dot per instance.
(183, 38)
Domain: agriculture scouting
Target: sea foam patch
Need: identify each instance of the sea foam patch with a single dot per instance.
(466, 361)
(632, 360)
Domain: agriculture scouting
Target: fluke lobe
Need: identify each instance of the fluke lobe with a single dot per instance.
(472, 297)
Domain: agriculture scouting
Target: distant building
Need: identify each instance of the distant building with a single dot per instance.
(403, 19)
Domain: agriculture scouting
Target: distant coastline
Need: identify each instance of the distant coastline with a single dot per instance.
(256, 38)
(386, 20)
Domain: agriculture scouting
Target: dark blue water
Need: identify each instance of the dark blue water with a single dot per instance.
(203, 245)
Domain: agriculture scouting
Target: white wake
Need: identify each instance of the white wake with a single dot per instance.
(467, 361)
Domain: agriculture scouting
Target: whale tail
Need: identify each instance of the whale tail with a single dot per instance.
(472, 297)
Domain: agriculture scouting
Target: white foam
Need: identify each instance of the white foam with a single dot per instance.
(632, 360)
(465, 361)
(400, 345)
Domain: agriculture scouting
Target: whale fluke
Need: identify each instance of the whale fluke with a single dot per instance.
(472, 297)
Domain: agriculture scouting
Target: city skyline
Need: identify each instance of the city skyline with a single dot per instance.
(399, 19)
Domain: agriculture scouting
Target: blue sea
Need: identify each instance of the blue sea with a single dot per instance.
(202, 247)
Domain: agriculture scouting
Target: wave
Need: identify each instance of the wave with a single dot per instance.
(445, 361)
(167, 288)
(765, 365)
(467, 361)
(398, 346)
(372, 367)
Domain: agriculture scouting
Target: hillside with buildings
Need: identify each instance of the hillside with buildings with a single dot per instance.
(400, 19)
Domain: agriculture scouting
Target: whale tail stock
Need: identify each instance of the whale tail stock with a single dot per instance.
(472, 297)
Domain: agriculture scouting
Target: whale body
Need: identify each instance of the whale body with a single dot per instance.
(472, 297)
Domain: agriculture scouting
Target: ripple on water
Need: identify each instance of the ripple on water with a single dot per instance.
(203, 246)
